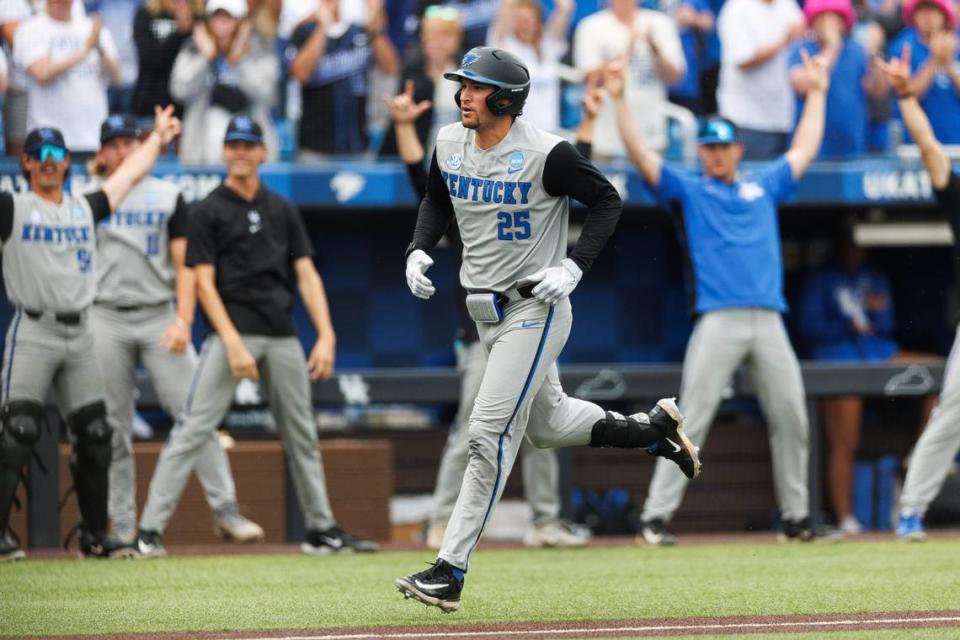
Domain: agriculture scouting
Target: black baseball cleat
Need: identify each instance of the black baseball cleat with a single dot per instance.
(10, 550)
(803, 531)
(438, 586)
(335, 540)
(148, 544)
(103, 545)
(674, 445)
(655, 532)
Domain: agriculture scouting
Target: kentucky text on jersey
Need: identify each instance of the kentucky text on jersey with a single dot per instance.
(154, 219)
(479, 189)
(50, 234)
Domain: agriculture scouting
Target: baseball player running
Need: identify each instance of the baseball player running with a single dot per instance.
(243, 241)
(48, 247)
(508, 185)
(934, 452)
(728, 226)
(540, 467)
(143, 312)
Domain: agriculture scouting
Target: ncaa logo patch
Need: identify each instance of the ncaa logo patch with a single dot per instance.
(454, 161)
(515, 162)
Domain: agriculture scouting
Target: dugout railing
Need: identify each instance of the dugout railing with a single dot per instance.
(601, 383)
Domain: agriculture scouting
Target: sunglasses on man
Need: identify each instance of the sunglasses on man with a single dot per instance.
(48, 152)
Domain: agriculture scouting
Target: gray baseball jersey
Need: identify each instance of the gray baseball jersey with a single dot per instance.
(511, 227)
(48, 258)
(133, 261)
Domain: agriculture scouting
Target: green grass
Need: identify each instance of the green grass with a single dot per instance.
(49, 597)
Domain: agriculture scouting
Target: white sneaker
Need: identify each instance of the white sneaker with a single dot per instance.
(231, 526)
(851, 526)
(556, 533)
(435, 535)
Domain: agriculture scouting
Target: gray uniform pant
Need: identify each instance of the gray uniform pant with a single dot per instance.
(937, 445)
(122, 339)
(721, 340)
(283, 371)
(42, 351)
(541, 470)
(520, 393)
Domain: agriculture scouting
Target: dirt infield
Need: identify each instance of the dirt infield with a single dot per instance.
(674, 627)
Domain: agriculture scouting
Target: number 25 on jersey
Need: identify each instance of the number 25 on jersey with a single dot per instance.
(515, 226)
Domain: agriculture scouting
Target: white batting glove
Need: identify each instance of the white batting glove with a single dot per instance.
(556, 283)
(417, 263)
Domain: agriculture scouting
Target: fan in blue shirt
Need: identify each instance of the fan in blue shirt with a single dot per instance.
(851, 77)
(933, 64)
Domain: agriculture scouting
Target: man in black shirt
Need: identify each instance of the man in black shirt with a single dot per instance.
(243, 240)
(48, 239)
(934, 452)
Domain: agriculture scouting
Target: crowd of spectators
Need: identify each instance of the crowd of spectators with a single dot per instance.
(312, 72)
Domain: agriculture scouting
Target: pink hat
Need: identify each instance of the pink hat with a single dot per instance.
(909, 6)
(813, 8)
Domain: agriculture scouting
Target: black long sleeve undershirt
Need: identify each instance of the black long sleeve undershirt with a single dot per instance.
(435, 214)
(566, 172)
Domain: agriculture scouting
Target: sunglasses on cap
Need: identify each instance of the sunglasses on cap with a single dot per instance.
(49, 152)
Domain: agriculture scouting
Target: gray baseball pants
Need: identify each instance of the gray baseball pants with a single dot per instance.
(122, 339)
(520, 393)
(42, 351)
(721, 340)
(938, 444)
(541, 469)
(283, 371)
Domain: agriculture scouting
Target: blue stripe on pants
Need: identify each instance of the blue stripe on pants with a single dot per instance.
(11, 345)
(506, 430)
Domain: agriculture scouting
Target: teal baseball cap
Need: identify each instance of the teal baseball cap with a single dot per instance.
(717, 130)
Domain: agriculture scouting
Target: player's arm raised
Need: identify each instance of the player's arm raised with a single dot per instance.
(809, 133)
(647, 162)
(934, 157)
(433, 218)
(140, 162)
(310, 284)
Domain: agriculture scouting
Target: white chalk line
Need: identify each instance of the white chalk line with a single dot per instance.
(667, 628)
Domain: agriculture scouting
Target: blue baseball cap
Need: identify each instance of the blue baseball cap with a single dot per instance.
(717, 130)
(245, 129)
(119, 126)
(42, 136)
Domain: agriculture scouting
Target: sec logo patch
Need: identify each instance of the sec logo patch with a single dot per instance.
(454, 161)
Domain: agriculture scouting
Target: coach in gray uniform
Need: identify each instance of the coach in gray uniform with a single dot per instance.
(243, 241)
(146, 297)
(48, 271)
(508, 185)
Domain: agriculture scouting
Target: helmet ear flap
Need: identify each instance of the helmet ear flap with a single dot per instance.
(456, 96)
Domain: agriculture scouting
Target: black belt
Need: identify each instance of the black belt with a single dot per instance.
(525, 292)
(129, 308)
(62, 318)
